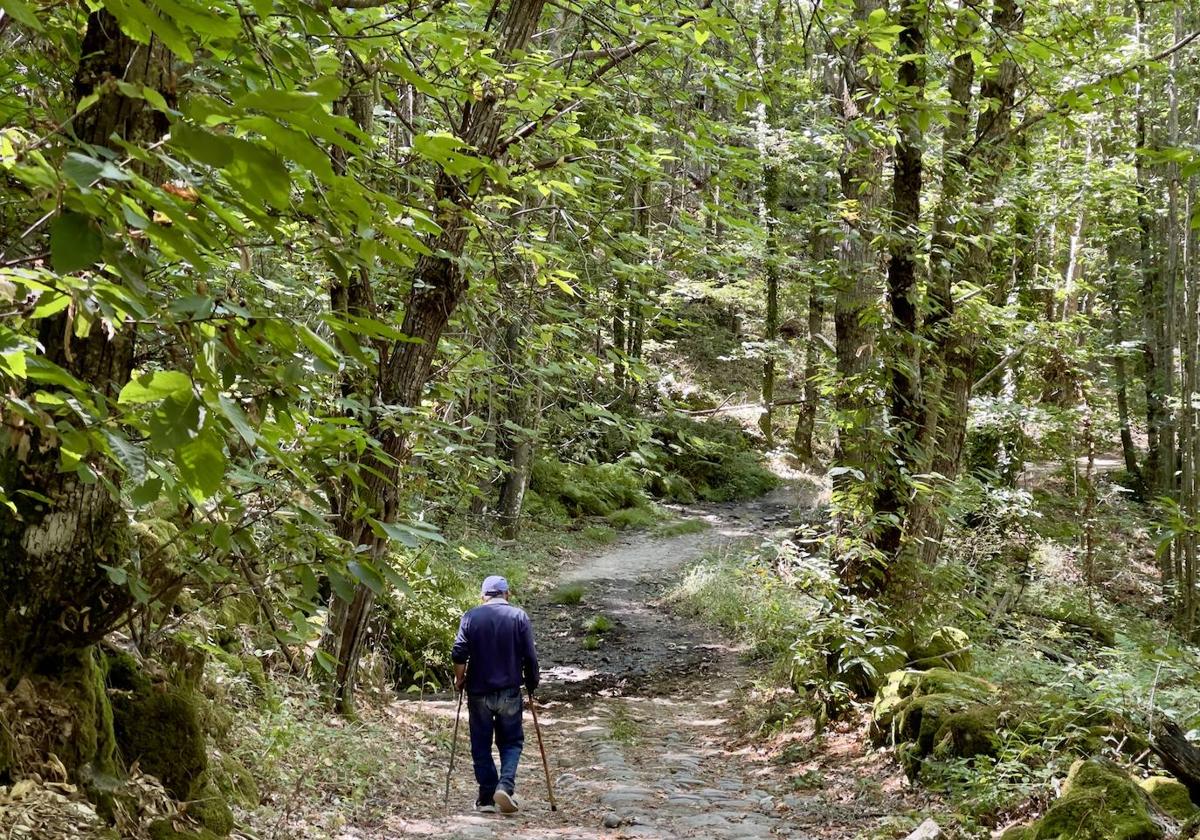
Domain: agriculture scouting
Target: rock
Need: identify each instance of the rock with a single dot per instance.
(928, 830)
(1099, 802)
(611, 821)
(922, 717)
(866, 676)
(1171, 796)
(969, 733)
(1015, 832)
(946, 647)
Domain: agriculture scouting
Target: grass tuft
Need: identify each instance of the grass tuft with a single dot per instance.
(683, 526)
(567, 594)
(598, 624)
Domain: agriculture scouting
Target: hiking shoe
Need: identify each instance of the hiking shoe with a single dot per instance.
(485, 807)
(506, 802)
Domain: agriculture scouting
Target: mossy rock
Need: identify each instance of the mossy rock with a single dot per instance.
(73, 692)
(969, 733)
(945, 647)
(888, 702)
(900, 686)
(866, 677)
(1016, 832)
(178, 830)
(246, 665)
(157, 726)
(7, 750)
(945, 681)
(236, 782)
(1099, 802)
(208, 807)
(922, 718)
(1171, 796)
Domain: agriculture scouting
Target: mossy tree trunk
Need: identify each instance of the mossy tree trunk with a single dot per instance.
(57, 600)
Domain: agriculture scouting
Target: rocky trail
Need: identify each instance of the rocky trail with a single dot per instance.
(640, 732)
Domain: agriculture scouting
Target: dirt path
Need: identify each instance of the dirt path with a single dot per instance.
(640, 730)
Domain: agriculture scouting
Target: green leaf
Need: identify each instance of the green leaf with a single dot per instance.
(442, 149)
(325, 352)
(154, 386)
(410, 534)
(260, 175)
(85, 171)
(117, 575)
(50, 303)
(326, 662)
(140, 21)
(174, 421)
(130, 456)
(365, 573)
(205, 147)
(394, 577)
(146, 493)
(22, 12)
(202, 464)
(13, 363)
(75, 243)
(234, 414)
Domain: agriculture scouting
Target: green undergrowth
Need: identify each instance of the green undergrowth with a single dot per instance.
(414, 629)
(670, 457)
(1018, 660)
(307, 761)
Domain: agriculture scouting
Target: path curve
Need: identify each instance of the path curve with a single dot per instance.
(639, 731)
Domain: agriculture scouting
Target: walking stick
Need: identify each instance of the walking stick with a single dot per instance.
(453, 747)
(541, 746)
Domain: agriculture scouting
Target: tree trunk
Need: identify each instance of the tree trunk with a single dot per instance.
(57, 600)
(516, 445)
(820, 255)
(905, 384)
(860, 174)
(437, 288)
(969, 176)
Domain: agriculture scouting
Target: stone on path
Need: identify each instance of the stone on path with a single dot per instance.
(928, 830)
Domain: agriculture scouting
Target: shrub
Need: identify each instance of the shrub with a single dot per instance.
(714, 461)
(585, 489)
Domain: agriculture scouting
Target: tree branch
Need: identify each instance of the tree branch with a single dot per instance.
(565, 106)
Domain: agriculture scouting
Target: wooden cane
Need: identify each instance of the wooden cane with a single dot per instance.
(541, 746)
(453, 747)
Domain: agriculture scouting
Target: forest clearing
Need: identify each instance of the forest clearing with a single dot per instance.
(794, 404)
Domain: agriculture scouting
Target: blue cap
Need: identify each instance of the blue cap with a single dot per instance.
(494, 585)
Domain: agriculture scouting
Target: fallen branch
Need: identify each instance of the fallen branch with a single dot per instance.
(1178, 755)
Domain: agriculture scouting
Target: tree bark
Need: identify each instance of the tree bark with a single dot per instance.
(438, 287)
(1178, 755)
(905, 384)
(860, 174)
(57, 600)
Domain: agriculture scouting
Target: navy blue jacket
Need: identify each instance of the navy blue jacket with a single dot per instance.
(495, 641)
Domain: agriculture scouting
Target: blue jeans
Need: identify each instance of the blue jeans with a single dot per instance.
(498, 716)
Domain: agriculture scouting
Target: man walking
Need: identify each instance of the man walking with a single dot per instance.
(493, 655)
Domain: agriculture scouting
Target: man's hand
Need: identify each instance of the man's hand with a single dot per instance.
(459, 681)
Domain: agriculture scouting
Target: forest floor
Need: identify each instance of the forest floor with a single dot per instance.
(647, 734)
